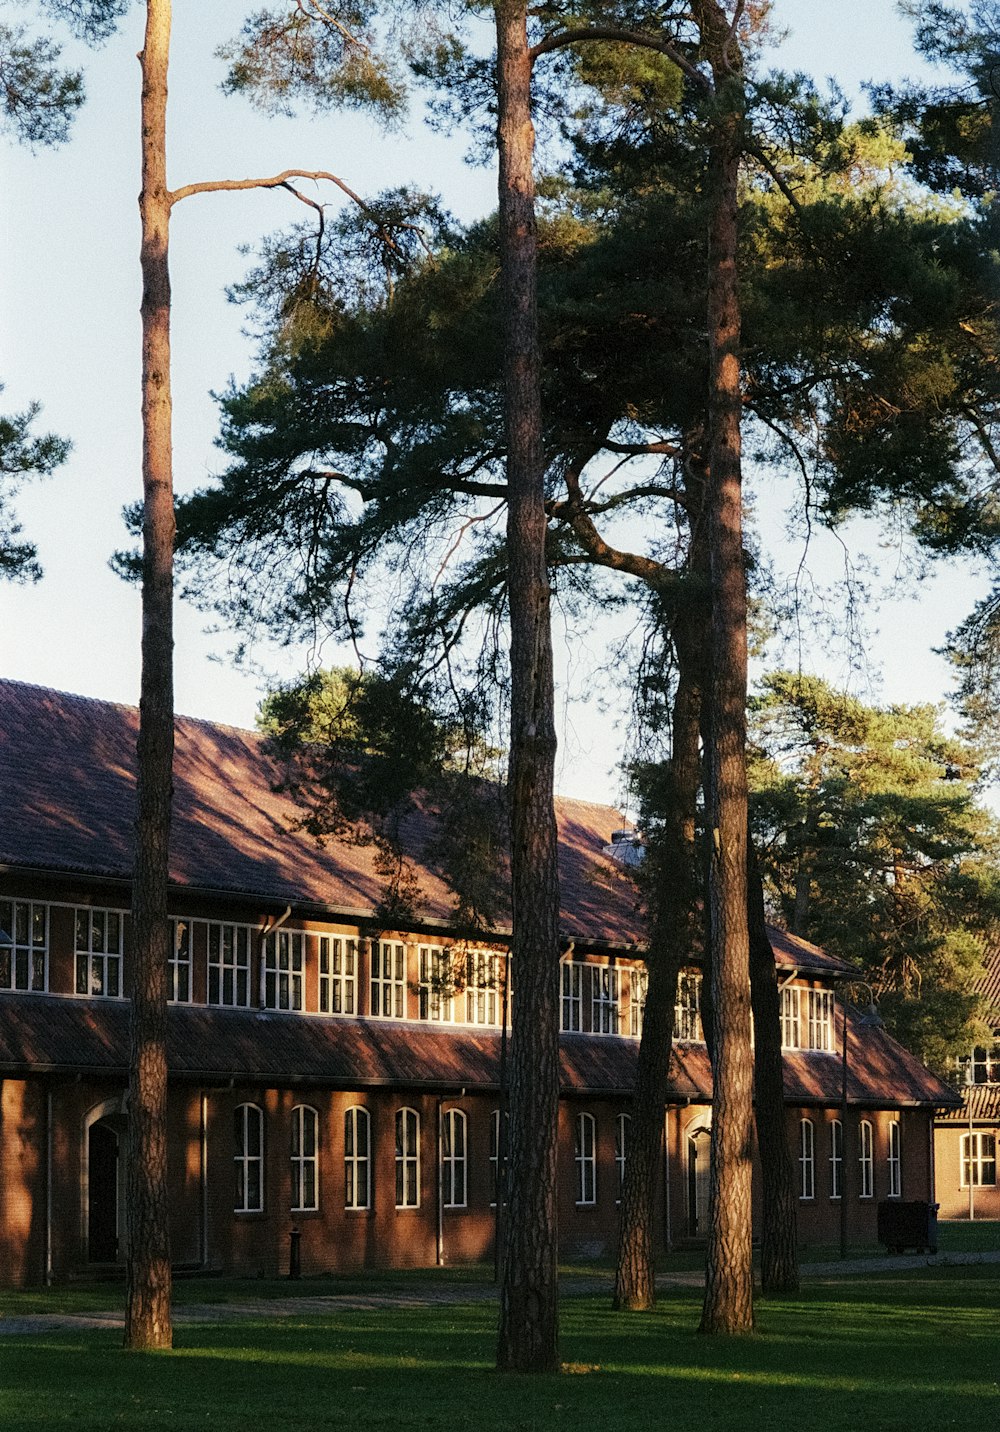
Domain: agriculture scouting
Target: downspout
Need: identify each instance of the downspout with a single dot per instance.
(48, 1187)
(501, 1189)
(268, 928)
(203, 1176)
(668, 1241)
(677, 1105)
(440, 1185)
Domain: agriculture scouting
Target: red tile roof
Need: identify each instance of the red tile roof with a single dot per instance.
(981, 1103)
(49, 1033)
(67, 777)
(791, 952)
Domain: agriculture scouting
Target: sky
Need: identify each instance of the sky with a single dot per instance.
(70, 338)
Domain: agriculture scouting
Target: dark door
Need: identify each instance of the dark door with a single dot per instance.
(102, 1216)
(699, 1155)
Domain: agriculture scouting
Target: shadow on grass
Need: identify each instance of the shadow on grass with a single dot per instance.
(914, 1351)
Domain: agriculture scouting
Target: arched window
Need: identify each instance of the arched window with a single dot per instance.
(623, 1134)
(305, 1158)
(407, 1158)
(586, 1159)
(979, 1160)
(895, 1165)
(453, 1160)
(498, 1156)
(836, 1159)
(357, 1163)
(248, 1158)
(866, 1160)
(807, 1159)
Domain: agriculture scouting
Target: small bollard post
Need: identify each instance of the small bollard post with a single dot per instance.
(295, 1253)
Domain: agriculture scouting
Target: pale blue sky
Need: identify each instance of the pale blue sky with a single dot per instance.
(69, 335)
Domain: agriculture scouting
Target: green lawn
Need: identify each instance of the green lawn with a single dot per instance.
(889, 1353)
(82, 1297)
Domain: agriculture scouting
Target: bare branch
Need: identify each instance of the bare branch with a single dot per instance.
(273, 181)
(599, 552)
(661, 447)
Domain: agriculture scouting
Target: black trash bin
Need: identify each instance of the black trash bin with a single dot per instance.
(908, 1224)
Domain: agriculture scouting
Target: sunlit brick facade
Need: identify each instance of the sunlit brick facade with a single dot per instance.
(340, 1082)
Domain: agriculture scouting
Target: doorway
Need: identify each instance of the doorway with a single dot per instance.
(699, 1146)
(104, 1202)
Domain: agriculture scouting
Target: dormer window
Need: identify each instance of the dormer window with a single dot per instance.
(604, 999)
(687, 1013)
(571, 1005)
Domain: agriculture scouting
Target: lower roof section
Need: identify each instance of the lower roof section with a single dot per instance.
(57, 1035)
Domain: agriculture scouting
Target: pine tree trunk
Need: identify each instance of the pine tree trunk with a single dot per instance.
(147, 1316)
(677, 887)
(779, 1258)
(728, 1306)
(528, 1332)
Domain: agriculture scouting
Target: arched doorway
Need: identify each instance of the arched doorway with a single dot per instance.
(103, 1145)
(699, 1145)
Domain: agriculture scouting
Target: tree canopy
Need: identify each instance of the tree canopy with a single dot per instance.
(875, 846)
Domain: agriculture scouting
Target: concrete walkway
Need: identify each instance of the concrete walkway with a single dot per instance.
(438, 1295)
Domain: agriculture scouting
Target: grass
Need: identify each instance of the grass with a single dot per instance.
(83, 1297)
(892, 1353)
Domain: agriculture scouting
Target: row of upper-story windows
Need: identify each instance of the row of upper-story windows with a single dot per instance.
(608, 999)
(807, 1015)
(239, 965)
(835, 1160)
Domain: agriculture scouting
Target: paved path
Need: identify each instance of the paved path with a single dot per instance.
(438, 1294)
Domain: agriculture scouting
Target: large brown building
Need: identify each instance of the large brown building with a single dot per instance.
(342, 1081)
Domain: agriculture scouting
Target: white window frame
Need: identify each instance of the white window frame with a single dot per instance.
(836, 1159)
(282, 969)
(821, 1020)
(305, 1159)
(388, 980)
(454, 1160)
(984, 1159)
(866, 1159)
(407, 1158)
(638, 984)
(227, 955)
(585, 1160)
(336, 963)
(179, 964)
(623, 1136)
(571, 997)
(24, 945)
(983, 1066)
(357, 1158)
(894, 1159)
(99, 951)
(605, 987)
(807, 1160)
(249, 1117)
(482, 987)
(791, 1017)
(436, 997)
(687, 1008)
(495, 1153)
